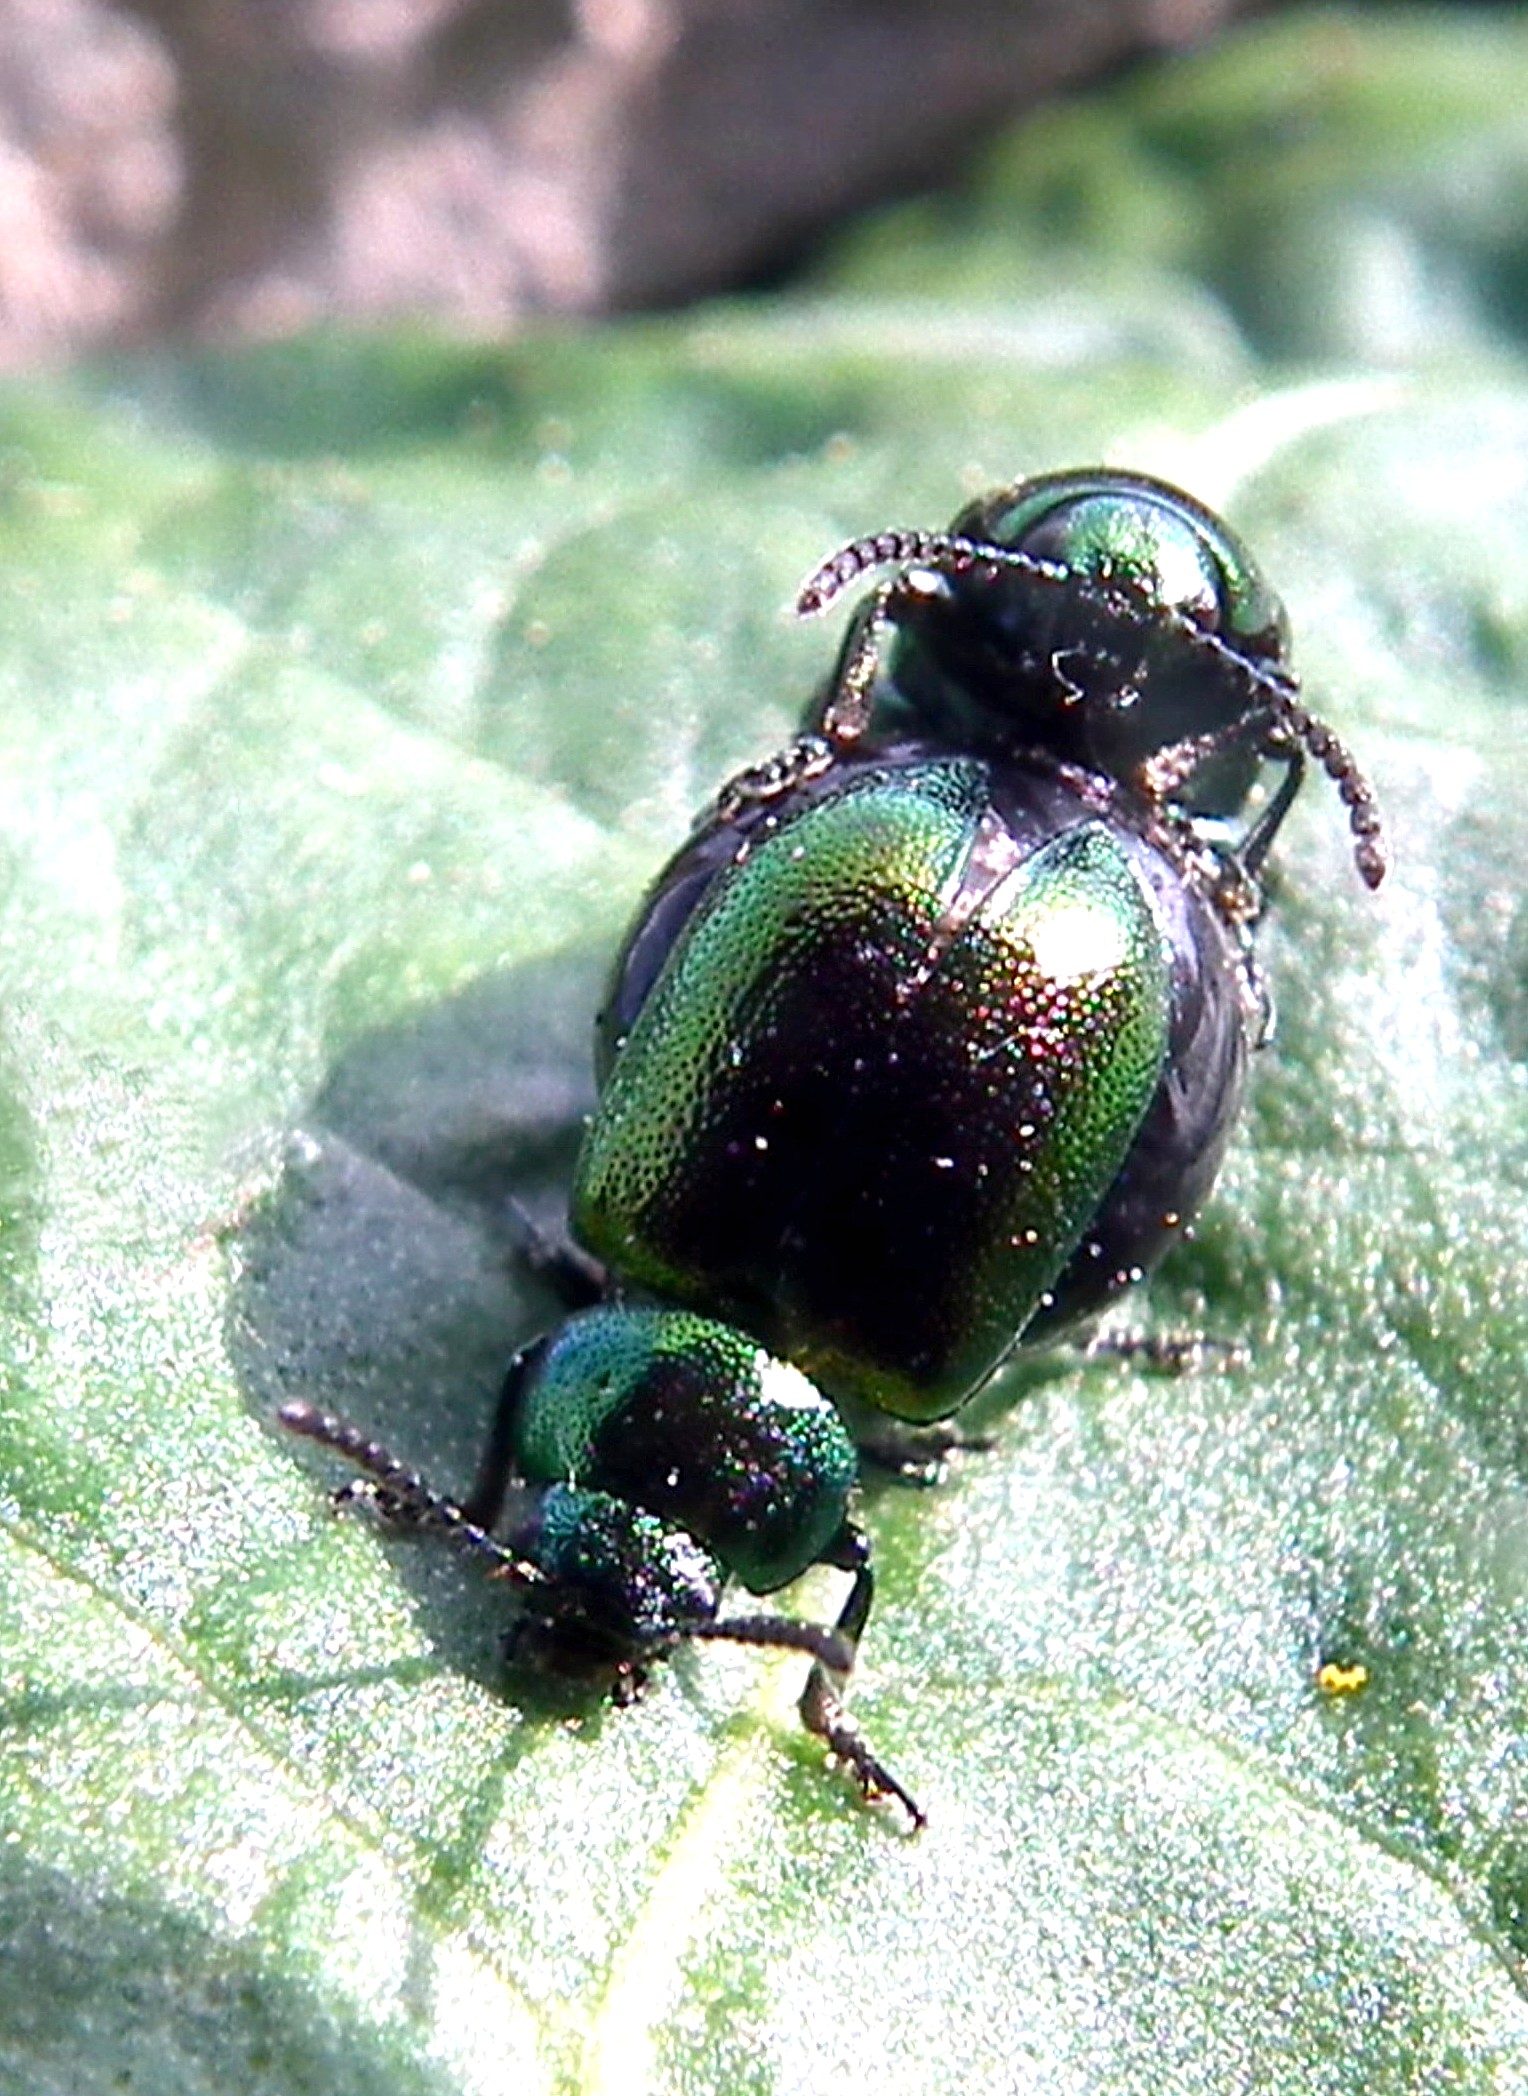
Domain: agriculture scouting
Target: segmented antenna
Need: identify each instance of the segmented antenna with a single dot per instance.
(940, 550)
(402, 1491)
(882, 549)
(1341, 767)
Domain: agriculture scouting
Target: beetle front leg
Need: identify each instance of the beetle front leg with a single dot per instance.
(822, 1708)
(496, 1471)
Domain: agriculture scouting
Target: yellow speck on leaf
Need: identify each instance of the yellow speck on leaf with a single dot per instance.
(1333, 1680)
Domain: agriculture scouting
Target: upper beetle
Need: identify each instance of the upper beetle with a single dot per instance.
(931, 1038)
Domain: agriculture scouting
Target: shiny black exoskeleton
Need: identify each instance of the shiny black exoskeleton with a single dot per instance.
(926, 1045)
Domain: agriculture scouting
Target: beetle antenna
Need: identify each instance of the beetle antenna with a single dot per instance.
(1295, 724)
(1169, 769)
(1341, 767)
(881, 549)
(399, 1493)
(940, 549)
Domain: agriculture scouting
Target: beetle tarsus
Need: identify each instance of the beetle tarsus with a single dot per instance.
(917, 1455)
(824, 1716)
(1173, 1353)
(759, 784)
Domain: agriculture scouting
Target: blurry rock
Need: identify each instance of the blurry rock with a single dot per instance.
(254, 165)
(91, 173)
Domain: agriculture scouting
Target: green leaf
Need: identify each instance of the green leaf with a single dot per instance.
(352, 690)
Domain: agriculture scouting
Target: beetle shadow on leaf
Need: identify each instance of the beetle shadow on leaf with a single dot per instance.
(111, 1988)
(382, 1279)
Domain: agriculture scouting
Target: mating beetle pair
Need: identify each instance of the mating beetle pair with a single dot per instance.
(925, 1046)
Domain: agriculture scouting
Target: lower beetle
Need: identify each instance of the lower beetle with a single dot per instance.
(639, 1459)
(926, 1045)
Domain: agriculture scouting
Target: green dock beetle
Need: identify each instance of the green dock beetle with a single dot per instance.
(925, 1046)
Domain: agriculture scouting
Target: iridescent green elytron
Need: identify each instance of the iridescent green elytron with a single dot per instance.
(925, 1046)
(894, 1043)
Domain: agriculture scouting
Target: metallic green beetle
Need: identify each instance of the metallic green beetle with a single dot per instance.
(925, 1046)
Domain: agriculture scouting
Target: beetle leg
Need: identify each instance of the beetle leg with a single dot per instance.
(496, 1466)
(822, 1707)
(805, 758)
(1170, 1353)
(846, 714)
(915, 1455)
(1255, 846)
(577, 1280)
(1163, 775)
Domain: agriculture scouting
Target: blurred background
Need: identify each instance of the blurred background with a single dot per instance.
(243, 166)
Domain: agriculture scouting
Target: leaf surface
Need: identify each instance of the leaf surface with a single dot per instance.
(352, 691)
